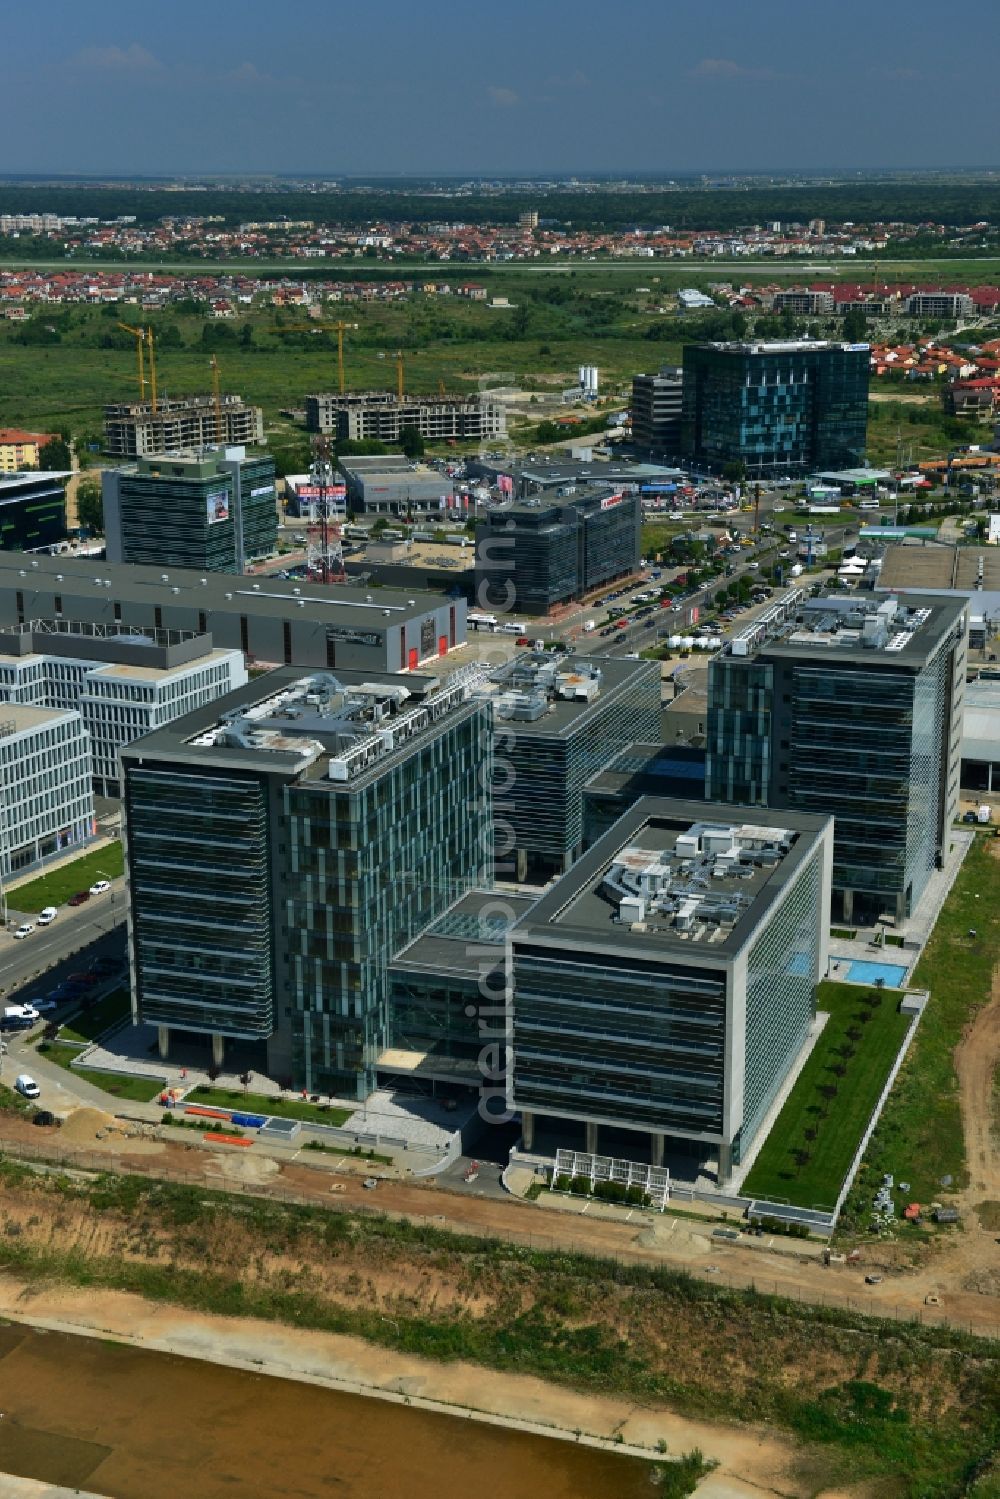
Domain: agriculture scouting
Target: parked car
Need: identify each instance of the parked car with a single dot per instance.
(26, 1086)
(24, 930)
(873, 1280)
(44, 1006)
(99, 887)
(48, 914)
(79, 898)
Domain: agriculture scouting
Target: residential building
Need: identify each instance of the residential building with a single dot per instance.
(284, 845)
(381, 416)
(803, 302)
(782, 408)
(21, 450)
(273, 621)
(656, 411)
(215, 510)
(32, 512)
(665, 986)
(124, 682)
(46, 799)
(135, 429)
(941, 304)
(549, 549)
(559, 720)
(849, 706)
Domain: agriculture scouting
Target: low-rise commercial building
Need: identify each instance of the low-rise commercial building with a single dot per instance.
(46, 798)
(538, 553)
(666, 984)
(122, 681)
(381, 416)
(32, 512)
(284, 845)
(134, 429)
(215, 510)
(393, 486)
(273, 621)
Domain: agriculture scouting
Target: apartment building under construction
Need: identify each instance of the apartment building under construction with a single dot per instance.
(381, 415)
(134, 429)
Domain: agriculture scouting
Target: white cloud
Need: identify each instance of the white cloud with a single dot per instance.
(131, 59)
(504, 98)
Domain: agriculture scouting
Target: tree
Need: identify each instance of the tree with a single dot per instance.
(90, 504)
(734, 470)
(855, 326)
(411, 442)
(55, 455)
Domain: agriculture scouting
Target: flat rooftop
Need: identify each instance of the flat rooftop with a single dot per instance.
(785, 346)
(570, 493)
(688, 880)
(965, 568)
(642, 765)
(15, 718)
(544, 694)
(87, 577)
(902, 629)
(343, 729)
(453, 945)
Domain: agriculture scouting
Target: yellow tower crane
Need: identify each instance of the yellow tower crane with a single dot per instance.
(152, 368)
(217, 398)
(398, 356)
(139, 334)
(340, 328)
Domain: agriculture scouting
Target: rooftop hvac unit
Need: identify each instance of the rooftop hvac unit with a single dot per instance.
(632, 909)
(687, 845)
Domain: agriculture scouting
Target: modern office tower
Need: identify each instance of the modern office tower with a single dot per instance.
(284, 844)
(656, 411)
(558, 720)
(123, 681)
(214, 510)
(776, 408)
(656, 769)
(273, 621)
(382, 416)
(32, 512)
(850, 707)
(549, 549)
(46, 799)
(666, 984)
(134, 429)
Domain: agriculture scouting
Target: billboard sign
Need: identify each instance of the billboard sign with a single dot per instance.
(610, 500)
(217, 506)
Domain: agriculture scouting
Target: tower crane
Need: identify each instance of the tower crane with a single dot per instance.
(216, 397)
(139, 334)
(340, 328)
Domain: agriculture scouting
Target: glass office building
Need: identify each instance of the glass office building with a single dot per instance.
(666, 984)
(851, 707)
(283, 844)
(776, 408)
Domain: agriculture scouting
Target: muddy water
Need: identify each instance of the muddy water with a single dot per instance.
(133, 1424)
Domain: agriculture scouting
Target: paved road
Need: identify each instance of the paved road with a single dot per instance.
(47, 947)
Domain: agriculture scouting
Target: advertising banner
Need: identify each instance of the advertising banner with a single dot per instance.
(217, 506)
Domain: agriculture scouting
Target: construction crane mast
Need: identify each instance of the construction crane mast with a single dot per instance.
(139, 334)
(216, 397)
(325, 548)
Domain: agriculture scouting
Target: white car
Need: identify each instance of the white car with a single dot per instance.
(27, 1087)
(24, 930)
(100, 887)
(49, 914)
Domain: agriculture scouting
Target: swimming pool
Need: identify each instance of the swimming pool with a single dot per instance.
(862, 971)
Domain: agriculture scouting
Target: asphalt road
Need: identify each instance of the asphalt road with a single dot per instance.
(48, 947)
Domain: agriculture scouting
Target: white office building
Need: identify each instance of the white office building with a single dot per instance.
(123, 682)
(46, 796)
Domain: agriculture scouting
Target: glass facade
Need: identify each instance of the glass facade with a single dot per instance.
(200, 892)
(186, 514)
(531, 559)
(365, 870)
(776, 408)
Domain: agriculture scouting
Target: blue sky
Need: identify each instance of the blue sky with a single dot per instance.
(524, 86)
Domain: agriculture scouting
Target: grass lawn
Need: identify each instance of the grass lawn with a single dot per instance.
(87, 1025)
(135, 1089)
(258, 1103)
(56, 887)
(919, 1136)
(808, 1172)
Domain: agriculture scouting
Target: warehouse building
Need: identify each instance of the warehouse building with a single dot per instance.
(215, 510)
(137, 429)
(665, 986)
(273, 621)
(851, 707)
(124, 682)
(32, 511)
(284, 844)
(46, 797)
(382, 416)
(550, 549)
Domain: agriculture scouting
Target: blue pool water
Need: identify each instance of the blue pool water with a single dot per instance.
(863, 972)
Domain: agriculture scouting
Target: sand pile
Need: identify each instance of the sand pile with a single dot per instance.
(241, 1166)
(81, 1126)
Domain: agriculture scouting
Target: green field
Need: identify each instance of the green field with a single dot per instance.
(810, 1148)
(134, 1089)
(919, 1136)
(88, 1024)
(260, 1103)
(56, 887)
